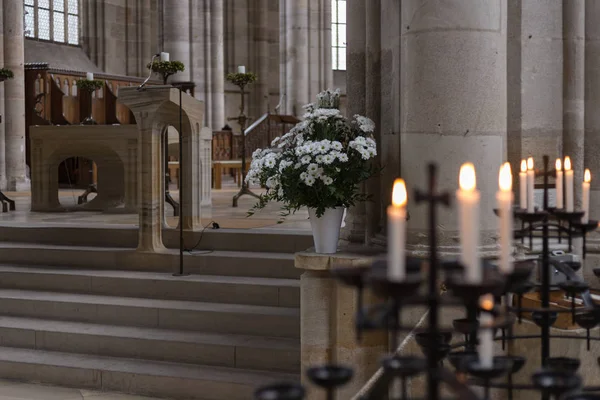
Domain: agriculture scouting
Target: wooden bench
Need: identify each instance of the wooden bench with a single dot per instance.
(232, 164)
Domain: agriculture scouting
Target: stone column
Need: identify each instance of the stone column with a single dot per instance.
(2, 111)
(373, 111)
(573, 88)
(327, 322)
(295, 54)
(354, 231)
(454, 110)
(592, 102)
(262, 59)
(217, 66)
(14, 92)
(176, 28)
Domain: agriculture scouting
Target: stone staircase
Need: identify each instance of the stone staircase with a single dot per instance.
(108, 318)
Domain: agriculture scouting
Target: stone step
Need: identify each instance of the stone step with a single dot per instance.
(226, 350)
(167, 314)
(262, 240)
(151, 378)
(224, 263)
(154, 285)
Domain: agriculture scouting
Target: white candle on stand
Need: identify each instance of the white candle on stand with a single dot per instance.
(164, 56)
(242, 69)
(397, 232)
(505, 199)
(486, 336)
(568, 185)
(468, 213)
(559, 184)
(585, 200)
(89, 76)
(530, 185)
(523, 185)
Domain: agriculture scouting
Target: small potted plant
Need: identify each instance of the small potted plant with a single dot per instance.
(5, 74)
(86, 87)
(166, 68)
(319, 164)
(241, 79)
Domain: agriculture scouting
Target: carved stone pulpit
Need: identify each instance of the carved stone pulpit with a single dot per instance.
(155, 107)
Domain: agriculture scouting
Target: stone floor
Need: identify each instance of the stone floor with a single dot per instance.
(26, 391)
(222, 212)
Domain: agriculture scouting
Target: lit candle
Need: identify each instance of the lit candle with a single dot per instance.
(523, 185)
(486, 336)
(585, 200)
(397, 232)
(241, 69)
(568, 185)
(530, 185)
(164, 56)
(89, 76)
(505, 198)
(559, 184)
(468, 213)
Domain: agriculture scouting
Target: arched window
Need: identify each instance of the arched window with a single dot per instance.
(338, 32)
(52, 20)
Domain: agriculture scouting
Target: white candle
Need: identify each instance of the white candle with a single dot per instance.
(397, 232)
(530, 185)
(486, 336)
(89, 76)
(241, 69)
(568, 185)
(468, 212)
(523, 185)
(505, 199)
(559, 184)
(585, 200)
(164, 56)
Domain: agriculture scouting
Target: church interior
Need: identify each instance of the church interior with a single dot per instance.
(136, 138)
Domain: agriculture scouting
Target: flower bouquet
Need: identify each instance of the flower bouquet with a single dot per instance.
(318, 164)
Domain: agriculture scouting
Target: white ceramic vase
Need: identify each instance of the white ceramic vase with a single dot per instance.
(326, 230)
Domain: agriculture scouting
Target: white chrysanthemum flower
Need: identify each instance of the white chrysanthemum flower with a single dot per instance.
(280, 192)
(271, 182)
(372, 152)
(343, 157)
(312, 168)
(336, 145)
(309, 180)
(365, 154)
(319, 158)
(361, 140)
(327, 180)
(328, 159)
(371, 142)
(298, 165)
(319, 172)
(306, 159)
(256, 153)
(303, 175)
(275, 141)
(270, 162)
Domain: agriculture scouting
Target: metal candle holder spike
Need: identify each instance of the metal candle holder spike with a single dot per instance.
(557, 375)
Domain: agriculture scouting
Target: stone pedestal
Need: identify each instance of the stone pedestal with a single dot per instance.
(154, 108)
(328, 333)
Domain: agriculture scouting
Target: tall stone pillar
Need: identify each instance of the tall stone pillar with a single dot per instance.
(176, 31)
(2, 113)
(454, 109)
(592, 102)
(261, 57)
(14, 95)
(305, 52)
(356, 59)
(573, 87)
(217, 66)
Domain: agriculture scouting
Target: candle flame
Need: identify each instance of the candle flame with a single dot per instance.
(530, 163)
(486, 302)
(567, 163)
(399, 196)
(466, 177)
(523, 165)
(587, 176)
(505, 178)
(558, 164)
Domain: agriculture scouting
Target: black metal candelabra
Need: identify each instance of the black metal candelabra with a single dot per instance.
(557, 376)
